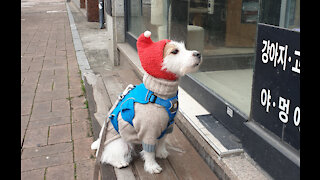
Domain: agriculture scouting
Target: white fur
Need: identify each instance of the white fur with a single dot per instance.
(161, 150)
(147, 34)
(118, 152)
(95, 145)
(150, 163)
(181, 63)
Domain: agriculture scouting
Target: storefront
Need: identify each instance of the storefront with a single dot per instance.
(226, 33)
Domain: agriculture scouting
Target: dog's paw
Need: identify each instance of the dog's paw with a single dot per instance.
(119, 164)
(152, 167)
(162, 153)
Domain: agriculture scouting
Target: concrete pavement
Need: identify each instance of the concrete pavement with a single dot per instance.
(56, 129)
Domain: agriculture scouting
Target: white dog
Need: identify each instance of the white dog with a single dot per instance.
(149, 125)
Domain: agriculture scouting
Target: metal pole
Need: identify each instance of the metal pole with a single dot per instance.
(101, 13)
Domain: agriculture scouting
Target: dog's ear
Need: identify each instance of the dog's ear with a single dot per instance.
(168, 48)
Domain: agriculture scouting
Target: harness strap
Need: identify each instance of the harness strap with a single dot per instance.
(171, 106)
(142, 95)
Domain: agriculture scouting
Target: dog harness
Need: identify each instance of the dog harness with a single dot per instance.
(140, 94)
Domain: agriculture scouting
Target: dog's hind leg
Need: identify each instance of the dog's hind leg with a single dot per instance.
(117, 153)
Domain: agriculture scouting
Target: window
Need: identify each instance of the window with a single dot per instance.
(284, 13)
(229, 30)
(224, 31)
(148, 15)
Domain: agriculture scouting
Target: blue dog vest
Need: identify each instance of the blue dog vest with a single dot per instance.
(141, 94)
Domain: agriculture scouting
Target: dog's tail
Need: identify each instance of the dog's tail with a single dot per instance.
(95, 145)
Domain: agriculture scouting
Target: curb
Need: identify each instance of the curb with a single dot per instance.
(81, 56)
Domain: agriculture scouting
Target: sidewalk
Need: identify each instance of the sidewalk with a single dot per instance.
(104, 84)
(56, 131)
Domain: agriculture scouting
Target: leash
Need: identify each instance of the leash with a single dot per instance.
(104, 131)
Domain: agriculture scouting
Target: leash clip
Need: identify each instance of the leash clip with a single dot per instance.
(126, 91)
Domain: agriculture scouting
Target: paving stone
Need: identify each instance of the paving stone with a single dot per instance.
(31, 76)
(62, 80)
(24, 123)
(26, 107)
(36, 137)
(81, 150)
(81, 130)
(46, 161)
(33, 175)
(60, 85)
(45, 85)
(80, 115)
(61, 53)
(61, 72)
(47, 73)
(75, 85)
(58, 134)
(43, 96)
(28, 88)
(60, 94)
(46, 150)
(61, 105)
(85, 169)
(49, 115)
(41, 107)
(35, 67)
(75, 79)
(65, 172)
(74, 92)
(49, 122)
(74, 71)
(78, 102)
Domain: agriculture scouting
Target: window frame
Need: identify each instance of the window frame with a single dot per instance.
(129, 38)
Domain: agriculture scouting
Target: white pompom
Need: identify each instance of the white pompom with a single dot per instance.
(147, 34)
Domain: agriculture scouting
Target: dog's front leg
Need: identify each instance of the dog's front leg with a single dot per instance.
(150, 164)
(161, 150)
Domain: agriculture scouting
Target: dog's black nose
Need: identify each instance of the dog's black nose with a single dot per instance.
(197, 54)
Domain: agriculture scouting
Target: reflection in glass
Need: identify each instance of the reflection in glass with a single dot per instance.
(228, 48)
(148, 15)
(224, 31)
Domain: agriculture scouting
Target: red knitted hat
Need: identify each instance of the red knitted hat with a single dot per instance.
(151, 56)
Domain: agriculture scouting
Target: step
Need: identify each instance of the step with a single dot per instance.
(218, 154)
(183, 158)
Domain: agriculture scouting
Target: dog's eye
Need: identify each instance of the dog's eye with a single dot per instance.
(175, 51)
